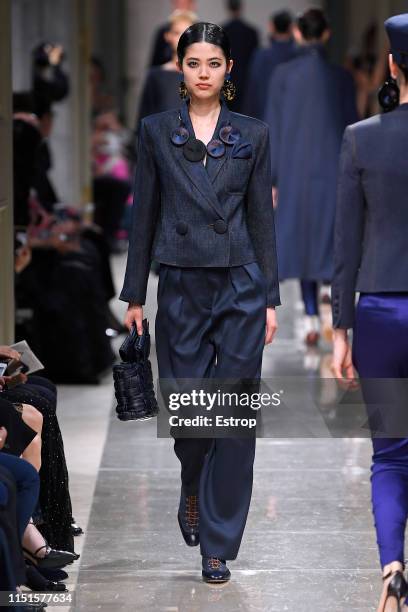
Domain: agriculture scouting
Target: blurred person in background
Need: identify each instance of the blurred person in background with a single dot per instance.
(281, 49)
(68, 277)
(309, 104)
(111, 175)
(162, 51)
(161, 87)
(49, 81)
(101, 100)
(244, 41)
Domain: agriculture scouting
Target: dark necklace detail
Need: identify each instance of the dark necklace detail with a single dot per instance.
(195, 150)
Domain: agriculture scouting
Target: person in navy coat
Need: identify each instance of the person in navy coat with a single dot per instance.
(371, 246)
(203, 209)
(309, 103)
(282, 48)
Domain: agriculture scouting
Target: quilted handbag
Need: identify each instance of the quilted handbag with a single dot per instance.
(133, 378)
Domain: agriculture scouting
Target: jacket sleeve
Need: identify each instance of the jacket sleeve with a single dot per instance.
(348, 234)
(145, 209)
(260, 217)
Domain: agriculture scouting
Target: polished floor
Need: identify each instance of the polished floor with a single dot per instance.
(309, 544)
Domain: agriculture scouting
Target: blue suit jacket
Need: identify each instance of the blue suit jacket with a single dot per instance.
(187, 214)
(371, 228)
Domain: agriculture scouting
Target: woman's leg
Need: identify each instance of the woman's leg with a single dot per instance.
(55, 501)
(184, 350)
(389, 482)
(32, 453)
(28, 485)
(239, 318)
(309, 291)
(380, 351)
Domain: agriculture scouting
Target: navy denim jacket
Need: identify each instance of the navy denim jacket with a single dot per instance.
(187, 214)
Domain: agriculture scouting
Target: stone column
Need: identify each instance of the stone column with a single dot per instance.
(66, 22)
(6, 183)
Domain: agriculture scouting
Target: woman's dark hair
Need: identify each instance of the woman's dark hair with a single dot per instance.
(204, 32)
(282, 21)
(312, 23)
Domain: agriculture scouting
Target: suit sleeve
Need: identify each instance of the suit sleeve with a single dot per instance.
(348, 234)
(145, 209)
(272, 116)
(260, 218)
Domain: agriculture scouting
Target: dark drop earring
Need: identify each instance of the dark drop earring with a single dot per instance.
(183, 91)
(388, 95)
(228, 89)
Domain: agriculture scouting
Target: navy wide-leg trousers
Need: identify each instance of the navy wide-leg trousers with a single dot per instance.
(211, 324)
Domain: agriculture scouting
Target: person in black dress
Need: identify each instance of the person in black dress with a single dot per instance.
(161, 51)
(161, 86)
(244, 42)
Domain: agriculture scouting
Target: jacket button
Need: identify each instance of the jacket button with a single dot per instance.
(220, 227)
(182, 228)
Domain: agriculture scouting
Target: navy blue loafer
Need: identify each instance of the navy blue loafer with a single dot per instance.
(215, 570)
(188, 518)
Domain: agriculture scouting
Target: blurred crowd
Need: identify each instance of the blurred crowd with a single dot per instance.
(63, 275)
(37, 528)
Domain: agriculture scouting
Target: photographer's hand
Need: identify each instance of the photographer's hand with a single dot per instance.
(55, 55)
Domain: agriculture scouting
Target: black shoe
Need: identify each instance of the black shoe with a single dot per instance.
(397, 587)
(36, 582)
(52, 558)
(76, 530)
(52, 574)
(188, 518)
(215, 570)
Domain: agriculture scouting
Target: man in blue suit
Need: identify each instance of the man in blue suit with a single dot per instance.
(264, 62)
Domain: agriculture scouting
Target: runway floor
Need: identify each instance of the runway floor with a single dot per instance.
(309, 543)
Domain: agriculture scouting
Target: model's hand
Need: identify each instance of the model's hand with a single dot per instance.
(271, 325)
(134, 315)
(342, 361)
(275, 196)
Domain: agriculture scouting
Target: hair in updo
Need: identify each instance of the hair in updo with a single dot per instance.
(312, 23)
(204, 32)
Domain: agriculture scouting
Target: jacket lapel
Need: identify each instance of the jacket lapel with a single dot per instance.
(203, 177)
(214, 164)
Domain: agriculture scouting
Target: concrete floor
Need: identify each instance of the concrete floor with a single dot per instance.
(309, 543)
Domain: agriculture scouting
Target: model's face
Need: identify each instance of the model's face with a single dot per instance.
(176, 30)
(204, 68)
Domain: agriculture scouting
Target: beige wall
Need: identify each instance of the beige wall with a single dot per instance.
(360, 13)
